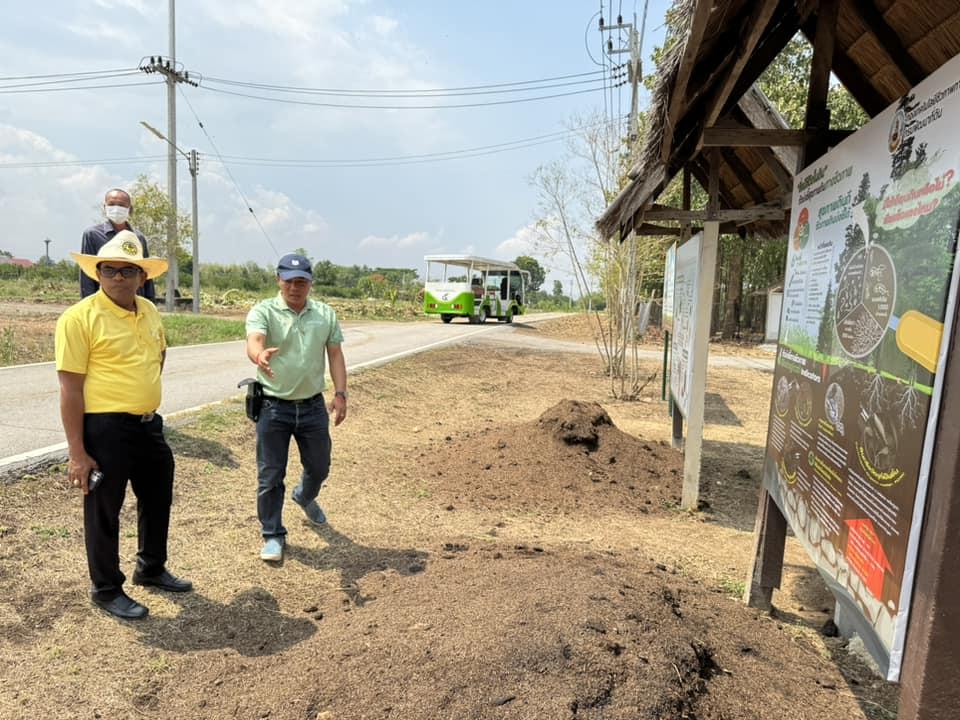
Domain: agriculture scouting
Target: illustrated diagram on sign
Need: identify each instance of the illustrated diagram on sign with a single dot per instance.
(833, 404)
(866, 297)
(865, 300)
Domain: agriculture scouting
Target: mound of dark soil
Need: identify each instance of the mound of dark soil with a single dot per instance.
(517, 633)
(570, 458)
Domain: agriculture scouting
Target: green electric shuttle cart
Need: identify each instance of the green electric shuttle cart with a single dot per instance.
(473, 287)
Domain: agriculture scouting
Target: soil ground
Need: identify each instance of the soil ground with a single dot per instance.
(504, 541)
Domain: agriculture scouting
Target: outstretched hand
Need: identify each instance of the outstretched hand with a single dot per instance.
(263, 360)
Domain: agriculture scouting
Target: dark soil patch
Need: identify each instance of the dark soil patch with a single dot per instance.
(487, 635)
(571, 458)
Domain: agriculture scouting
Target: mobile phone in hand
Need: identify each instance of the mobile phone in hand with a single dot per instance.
(94, 480)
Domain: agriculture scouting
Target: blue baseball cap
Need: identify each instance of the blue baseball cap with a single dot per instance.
(294, 266)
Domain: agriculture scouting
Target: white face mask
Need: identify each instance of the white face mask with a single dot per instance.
(116, 213)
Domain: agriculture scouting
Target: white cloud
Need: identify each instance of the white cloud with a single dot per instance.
(292, 19)
(395, 241)
(136, 5)
(101, 31)
(523, 242)
(383, 25)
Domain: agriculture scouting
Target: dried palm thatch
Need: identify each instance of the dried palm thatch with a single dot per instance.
(882, 49)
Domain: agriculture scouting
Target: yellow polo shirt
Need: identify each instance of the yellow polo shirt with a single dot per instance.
(119, 351)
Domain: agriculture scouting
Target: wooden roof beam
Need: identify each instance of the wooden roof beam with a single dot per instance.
(764, 137)
(751, 33)
(699, 171)
(852, 77)
(678, 94)
(888, 39)
(782, 175)
(743, 173)
(780, 30)
(750, 214)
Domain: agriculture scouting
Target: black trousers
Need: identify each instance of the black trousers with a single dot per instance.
(126, 449)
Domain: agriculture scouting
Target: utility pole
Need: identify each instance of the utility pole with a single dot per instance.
(634, 48)
(196, 239)
(174, 73)
(192, 163)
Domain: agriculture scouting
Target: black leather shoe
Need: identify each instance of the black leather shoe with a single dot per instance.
(123, 607)
(164, 581)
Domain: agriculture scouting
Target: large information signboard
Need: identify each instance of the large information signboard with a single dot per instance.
(869, 282)
(686, 272)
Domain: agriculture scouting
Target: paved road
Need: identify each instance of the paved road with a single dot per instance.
(199, 374)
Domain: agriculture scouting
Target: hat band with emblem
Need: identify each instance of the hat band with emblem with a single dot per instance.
(126, 247)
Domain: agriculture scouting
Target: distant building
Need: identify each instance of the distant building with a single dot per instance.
(20, 262)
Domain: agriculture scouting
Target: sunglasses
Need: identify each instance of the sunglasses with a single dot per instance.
(126, 272)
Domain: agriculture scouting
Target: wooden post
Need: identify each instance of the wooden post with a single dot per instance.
(817, 115)
(666, 359)
(676, 441)
(766, 569)
(929, 689)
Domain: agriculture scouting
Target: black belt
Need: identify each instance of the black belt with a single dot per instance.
(318, 396)
(144, 418)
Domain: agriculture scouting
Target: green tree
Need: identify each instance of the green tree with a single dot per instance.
(325, 273)
(557, 289)
(537, 273)
(785, 83)
(151, 208)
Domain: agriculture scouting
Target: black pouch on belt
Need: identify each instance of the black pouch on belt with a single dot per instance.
(254, 399)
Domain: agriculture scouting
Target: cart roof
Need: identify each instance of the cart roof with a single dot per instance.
(479, 263)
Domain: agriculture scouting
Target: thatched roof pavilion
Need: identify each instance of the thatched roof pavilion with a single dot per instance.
(878, 49)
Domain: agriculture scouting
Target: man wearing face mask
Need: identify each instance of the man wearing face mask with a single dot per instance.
(116, 208)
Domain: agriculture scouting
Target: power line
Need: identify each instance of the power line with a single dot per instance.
(399, 107)
(70, 80)
(404, 94)
(73, 163)
(81, 87)
(460, 153)
(426, 92)
(508, 145)
(229, 173)
(66, 75)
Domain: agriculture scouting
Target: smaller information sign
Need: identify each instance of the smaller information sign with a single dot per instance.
(668, 279)
(686, 276)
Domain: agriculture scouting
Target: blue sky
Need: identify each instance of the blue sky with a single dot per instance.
(379, 215)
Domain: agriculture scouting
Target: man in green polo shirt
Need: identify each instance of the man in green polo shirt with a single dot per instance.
(110, 350)
(289, 338)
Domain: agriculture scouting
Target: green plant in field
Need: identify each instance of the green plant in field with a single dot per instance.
(159, 665)
(196, 329)
(51, 533)
(734, 588)
(7, 346)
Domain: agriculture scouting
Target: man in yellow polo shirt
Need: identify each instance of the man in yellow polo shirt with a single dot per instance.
(110, 350)
(289, 338)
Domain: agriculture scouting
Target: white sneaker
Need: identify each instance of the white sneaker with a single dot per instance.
(272, 550)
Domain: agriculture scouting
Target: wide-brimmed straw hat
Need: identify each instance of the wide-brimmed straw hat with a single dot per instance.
(123, 247)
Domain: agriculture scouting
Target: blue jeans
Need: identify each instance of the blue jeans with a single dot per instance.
(308, 423)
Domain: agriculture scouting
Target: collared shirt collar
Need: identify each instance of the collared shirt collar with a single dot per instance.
(280, 304)
(107, 227)
(105, 303)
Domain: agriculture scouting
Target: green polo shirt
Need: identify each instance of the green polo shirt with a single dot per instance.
(301, 338)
